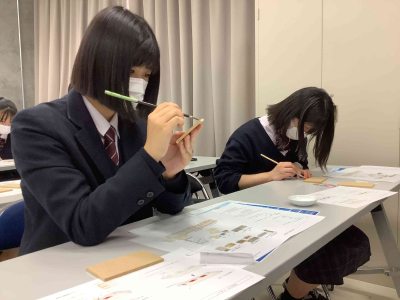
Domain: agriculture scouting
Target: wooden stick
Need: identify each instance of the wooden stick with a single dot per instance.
(190, 130)
(269, 158)
(277, 163)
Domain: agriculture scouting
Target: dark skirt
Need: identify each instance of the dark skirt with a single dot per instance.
(340, 257)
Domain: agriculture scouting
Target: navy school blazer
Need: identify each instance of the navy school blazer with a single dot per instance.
(5, 153)
(242, 155)
(72, 189)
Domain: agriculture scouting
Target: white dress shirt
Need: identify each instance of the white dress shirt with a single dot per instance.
(270, 131)
(101, 123)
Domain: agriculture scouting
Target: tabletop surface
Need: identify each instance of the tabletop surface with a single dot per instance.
(55, 269)
(7, 165)
(202, 163)
(11, 196)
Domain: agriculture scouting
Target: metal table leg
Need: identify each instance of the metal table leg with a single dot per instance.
(388, 243)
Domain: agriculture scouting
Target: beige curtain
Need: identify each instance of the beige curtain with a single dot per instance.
(207, 56)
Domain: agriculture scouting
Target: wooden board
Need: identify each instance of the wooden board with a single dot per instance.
(123, 265)
(190, 130)
(316, 179)
(358, 184)
(2, 190)
(11, 185)
(8, 160)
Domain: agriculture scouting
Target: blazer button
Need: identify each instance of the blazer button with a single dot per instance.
(150, 194)
(140, 202)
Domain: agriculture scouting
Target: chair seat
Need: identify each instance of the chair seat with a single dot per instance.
(12, 224)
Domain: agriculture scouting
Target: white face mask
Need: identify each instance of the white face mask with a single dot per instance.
(293, 132)
(137, 87)
(5, 129)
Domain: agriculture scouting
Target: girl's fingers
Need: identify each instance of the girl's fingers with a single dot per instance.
(188, 145)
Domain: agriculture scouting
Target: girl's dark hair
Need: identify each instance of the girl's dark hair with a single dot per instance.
(115, 41)
(309, 105)
(7, 109)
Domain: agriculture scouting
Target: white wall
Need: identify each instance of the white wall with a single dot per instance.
(350, 48)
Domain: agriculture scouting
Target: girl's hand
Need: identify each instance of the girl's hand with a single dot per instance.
(179, 155)
(283, 170)
(160, 124)
(306, 173)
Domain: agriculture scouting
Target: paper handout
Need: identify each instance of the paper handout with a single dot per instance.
(350, 196)
(179, 277)
(228, 227)
(368, 173)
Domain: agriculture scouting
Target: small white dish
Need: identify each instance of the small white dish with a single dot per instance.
(302, 200)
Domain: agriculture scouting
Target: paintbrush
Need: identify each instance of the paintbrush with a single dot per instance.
(140, 102)
(277, 163)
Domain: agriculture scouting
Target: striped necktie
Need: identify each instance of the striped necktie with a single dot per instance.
(110, 146)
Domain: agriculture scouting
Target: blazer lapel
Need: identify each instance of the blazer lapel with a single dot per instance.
(130, 139)
(88, 135)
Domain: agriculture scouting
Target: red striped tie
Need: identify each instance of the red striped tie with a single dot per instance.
(110, 146)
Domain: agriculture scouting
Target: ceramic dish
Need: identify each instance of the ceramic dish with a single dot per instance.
(302, 200)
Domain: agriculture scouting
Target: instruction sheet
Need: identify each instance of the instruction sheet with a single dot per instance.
(351, 196)
(228, 227)
(179, 277)
(367, 173)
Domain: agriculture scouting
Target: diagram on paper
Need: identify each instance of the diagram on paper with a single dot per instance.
(182, 272)
(189, 234)
(350, 196)
(368, 173)
(114, 295)
(199, 279)
(246, 240)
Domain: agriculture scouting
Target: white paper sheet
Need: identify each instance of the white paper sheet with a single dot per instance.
(351, 196)
(227, 227)
(368, 173)
(179, 277)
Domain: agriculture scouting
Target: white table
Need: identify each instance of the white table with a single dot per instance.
(7, 165)
(202, 163)
(51, 270)
(12, 196)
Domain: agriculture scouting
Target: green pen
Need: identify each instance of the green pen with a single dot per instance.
(139, 102)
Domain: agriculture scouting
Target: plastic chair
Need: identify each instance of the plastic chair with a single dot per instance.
(12, 224)
(196, 186)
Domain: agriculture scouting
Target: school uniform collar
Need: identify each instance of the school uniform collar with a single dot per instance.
(88, 135)
(100, 122)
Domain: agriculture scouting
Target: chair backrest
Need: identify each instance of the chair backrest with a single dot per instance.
(195, 184)
(12, 224)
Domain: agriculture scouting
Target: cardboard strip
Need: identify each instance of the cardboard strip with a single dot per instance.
(190, 130)
(358, 184)
(316, 179)
(123, 265)
(2, 190)
(11, 185)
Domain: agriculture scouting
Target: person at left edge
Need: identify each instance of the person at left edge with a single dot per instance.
(88, 162)
(7, 112)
